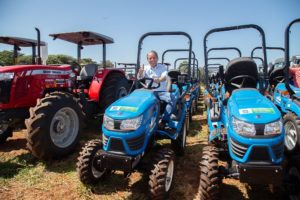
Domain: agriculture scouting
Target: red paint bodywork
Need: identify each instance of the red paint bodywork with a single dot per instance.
(31, 81)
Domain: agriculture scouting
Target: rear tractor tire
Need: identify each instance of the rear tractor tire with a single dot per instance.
(54, 126)
(179, 144)
(5, 132)
(292, 134)
(115, 86)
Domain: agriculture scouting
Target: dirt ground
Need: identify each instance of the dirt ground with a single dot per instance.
(24, 177)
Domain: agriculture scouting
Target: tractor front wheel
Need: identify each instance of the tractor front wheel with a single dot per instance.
(87, 166)
(161, 176)
(54, 126)
(209, 177)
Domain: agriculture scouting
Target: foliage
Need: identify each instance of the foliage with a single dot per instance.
(60, 59)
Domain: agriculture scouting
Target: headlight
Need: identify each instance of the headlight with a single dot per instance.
(273, 128)
(131, 124)
(108, 122)
(243, 128)
(6, 76)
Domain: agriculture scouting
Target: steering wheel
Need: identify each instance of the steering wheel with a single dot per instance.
(149, 85)
(279, 79)
(241, 80)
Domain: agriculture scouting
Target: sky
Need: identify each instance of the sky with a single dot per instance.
(127, 20)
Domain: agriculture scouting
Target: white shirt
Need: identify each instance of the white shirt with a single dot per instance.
(156, 72)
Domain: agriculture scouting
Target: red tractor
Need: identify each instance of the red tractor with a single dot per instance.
(65, 96)
(18, 89)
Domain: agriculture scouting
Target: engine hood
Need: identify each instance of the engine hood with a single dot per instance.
(133, 105)
(250, 106)
(18, 68)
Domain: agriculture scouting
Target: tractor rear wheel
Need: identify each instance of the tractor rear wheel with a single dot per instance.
(179, 144)
(87, 166)
(114, 87)
(209, 177)
(292, 133)
(54, 126)
(5, 132)
(161, 175)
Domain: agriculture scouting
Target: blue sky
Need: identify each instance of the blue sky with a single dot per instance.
(127, 20)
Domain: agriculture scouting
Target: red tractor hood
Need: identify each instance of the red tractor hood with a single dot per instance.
(17, 68)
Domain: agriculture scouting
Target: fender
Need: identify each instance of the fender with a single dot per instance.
(98, 80)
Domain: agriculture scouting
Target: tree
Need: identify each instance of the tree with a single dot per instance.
(108, 64)
(6, 58)
(183, 67)
(24, 60)
(60, 59)
(85, 61)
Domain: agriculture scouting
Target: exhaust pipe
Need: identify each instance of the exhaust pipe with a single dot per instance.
(39, 60)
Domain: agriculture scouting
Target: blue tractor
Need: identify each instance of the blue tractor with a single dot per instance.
(130, 131)
(193, 86)
(245, 127)
(286, 95)
(193, 94)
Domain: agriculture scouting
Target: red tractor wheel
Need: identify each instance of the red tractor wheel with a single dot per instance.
(54, 126)
(115, 86)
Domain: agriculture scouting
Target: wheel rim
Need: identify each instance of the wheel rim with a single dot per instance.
(96, 173)
(3, 128)
(64, 127)
(290, 139)
(295, 176)
(122, 92)
(169, 176)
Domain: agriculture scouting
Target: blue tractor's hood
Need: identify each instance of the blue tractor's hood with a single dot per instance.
(132, 105)
(251, 106)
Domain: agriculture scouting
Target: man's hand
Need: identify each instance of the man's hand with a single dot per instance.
(141, 70)
(156, 80)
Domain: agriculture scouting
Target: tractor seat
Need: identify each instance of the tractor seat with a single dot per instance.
(88, 71)
(276, 76)
(241, 73)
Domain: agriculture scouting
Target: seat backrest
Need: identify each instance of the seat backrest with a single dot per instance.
(88, 71)
(275, 73)
(241, 66)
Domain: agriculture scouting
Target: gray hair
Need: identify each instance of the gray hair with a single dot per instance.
(154, 52)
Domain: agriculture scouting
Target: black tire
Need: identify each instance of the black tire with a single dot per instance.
(113, 88)
(292, 178)
(5, 133)
(86, 166)
(179, 144)
(292, 132)
(209, 177)
(160, 181)
(54, 126)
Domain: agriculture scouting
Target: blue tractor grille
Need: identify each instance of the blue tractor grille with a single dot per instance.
(260, 154)
(136, 143)
(116, 145)
(238, 149)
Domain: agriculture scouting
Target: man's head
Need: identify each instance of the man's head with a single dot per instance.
(152, 58)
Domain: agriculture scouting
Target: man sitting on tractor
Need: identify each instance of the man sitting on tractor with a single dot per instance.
(159, 74)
